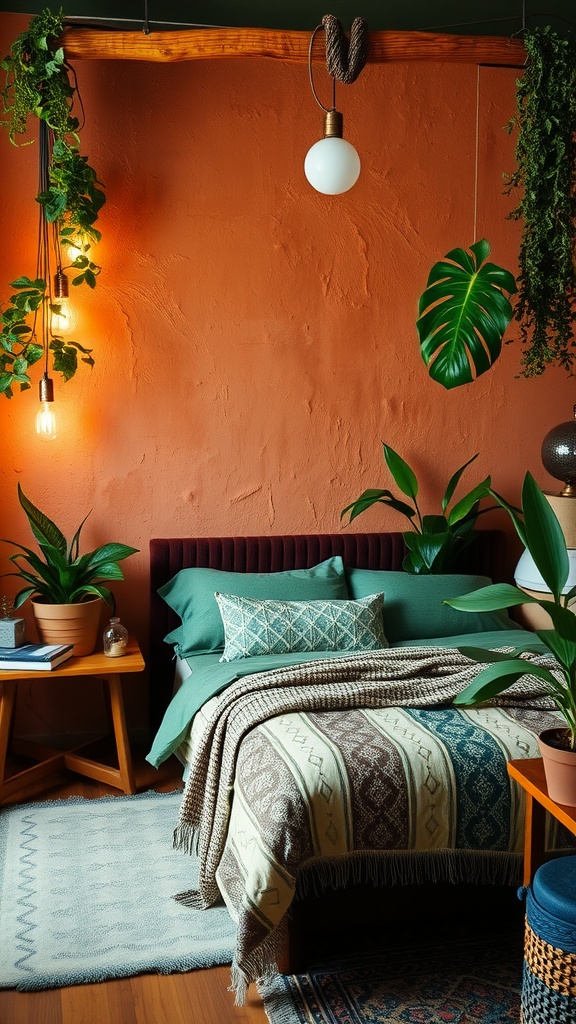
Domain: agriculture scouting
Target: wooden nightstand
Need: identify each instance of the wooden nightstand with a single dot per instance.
(110, 670)
(529, 772)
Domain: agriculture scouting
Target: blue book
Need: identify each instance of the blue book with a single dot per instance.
(42, 657)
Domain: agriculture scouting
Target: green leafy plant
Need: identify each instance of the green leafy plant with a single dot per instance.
(40, 83)
(463, 314)
(433, 542)
(63, 576)
(546, 174)
(541, 533)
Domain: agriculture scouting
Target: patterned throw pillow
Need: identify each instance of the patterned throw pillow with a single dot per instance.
(253, 627)
(190, 593)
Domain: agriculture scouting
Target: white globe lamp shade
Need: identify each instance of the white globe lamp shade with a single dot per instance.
(527, 576)
(332, 166)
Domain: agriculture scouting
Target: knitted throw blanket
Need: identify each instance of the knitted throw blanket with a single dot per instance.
(399, 677)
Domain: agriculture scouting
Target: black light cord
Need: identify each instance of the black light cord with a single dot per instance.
(43, 254)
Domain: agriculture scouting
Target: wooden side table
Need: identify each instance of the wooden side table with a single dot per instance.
(529, 773)
(51, 760)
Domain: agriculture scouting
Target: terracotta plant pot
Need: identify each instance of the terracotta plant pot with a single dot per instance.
(76, 624)
(559, 766)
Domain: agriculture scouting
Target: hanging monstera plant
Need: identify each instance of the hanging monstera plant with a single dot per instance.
(463, 315)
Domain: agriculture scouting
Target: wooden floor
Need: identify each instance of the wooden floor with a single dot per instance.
(199, 997)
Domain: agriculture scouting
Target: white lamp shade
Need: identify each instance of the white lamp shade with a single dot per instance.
(527, 576)
(332, 166)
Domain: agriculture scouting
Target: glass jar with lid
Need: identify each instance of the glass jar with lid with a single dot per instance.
(115, 640)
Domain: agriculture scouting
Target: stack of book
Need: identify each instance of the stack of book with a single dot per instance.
(42, 657)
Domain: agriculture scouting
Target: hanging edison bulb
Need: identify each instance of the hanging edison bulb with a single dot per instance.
(46, 426)
(63, 313)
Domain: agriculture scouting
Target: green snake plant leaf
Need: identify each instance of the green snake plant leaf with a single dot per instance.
(427, 552)
(544, 537)
(44, 530)
(491, 598)
(404, 477)
(370, 497)
(498, 677)
(454, 481)
(564, 650)
(464, 507)
(463, 314)
(514, 513)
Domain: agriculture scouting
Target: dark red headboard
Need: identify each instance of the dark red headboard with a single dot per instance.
(273, 554)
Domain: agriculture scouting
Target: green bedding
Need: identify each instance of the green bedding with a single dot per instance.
(210, 676)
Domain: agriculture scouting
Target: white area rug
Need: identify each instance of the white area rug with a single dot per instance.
(86, 894)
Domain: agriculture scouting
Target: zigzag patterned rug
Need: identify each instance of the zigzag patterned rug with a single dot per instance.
(86, 891)
(439, 978)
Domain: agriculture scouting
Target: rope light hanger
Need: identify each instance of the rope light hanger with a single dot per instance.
(332, 165)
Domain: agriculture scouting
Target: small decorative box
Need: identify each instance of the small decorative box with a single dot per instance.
(12, 632)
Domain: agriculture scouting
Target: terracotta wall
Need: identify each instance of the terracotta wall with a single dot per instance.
(254, 340)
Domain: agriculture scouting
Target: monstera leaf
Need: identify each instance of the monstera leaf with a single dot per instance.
(463, 315)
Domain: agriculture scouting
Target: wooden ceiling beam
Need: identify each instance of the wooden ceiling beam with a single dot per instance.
(198, 44)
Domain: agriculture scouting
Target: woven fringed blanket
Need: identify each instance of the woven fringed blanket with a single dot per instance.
(351, 765)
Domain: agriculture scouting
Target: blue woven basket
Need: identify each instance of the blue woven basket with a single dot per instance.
(549, 971)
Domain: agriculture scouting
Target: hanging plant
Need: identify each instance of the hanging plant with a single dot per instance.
(40, 83)
(463, 314)
(546, 173)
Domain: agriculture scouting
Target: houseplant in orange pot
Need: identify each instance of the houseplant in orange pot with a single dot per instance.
(66, 587)
(541, 534)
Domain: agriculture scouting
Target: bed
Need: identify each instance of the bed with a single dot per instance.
(315, 768)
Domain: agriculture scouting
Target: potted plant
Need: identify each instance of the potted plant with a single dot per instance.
(434, 542)
(65, 586)
(541, 533)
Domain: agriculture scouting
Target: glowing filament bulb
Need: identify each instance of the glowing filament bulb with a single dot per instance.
(46, 417)
(63, 315)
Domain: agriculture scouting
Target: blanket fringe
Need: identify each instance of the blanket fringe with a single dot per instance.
(260, 965)
(191, 898)
(409, 868)
(379, 868)
(186, 837)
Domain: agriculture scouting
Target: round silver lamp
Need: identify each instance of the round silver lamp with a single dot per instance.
(559, 455)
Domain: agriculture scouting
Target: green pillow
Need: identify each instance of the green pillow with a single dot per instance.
(413, 608)
(190, 593)
(253, 627)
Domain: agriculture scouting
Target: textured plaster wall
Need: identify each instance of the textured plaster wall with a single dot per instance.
(254, 340)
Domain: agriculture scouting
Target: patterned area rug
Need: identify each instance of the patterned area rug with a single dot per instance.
(434, 979)
(86, 891)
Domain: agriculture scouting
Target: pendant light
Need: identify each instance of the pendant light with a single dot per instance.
(46, 426)
(332, 165)
(63, 313)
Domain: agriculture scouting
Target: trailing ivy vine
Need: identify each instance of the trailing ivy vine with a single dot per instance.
(40, 83)
(546, 173)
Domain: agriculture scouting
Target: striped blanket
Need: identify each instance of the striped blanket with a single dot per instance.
(353, 764)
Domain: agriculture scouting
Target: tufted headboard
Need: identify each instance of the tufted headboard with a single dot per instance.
(274, 554)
